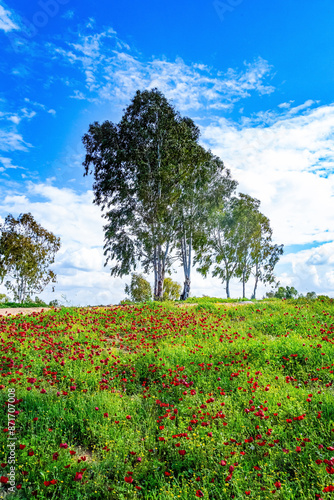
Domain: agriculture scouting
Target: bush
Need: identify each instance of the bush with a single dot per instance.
(172, 290)
(139, 289)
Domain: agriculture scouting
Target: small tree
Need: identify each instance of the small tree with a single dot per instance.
(139, 289)
(172, 290)
(26, 252)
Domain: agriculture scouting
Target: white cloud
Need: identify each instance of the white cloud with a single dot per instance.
(285, 105)
(111, 72)
(15, 119)
(310, 270)
(288, 166)
(7, 163)
(12, 141)
(7, 23)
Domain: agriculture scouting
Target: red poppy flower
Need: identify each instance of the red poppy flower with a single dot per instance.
(199, 493)
(182, 452)
(3, 479)
(278, 484)
(22, 446)
(19, 486)
(106, 415)
(31, 453)
(128, 479)
(128, 417)
(78, 476)
(63, 445)
(72, 452)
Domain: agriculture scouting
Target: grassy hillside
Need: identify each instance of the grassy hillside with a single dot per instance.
(154, 401)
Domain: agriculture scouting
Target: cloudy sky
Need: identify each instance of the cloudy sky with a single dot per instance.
(256, 76)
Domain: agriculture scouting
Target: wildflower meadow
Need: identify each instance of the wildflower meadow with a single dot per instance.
(156, 401)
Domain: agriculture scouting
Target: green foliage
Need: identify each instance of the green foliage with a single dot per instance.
(3, 297)
(172, 290)
(27, 303)
(26, 252)
(286, 292)
(139, 289)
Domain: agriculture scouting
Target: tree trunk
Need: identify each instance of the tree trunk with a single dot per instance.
(228, 288)
(186, 289)
(155, 273)
(243, 285)
(161, 271)
(256, 281)
(186, 267)
(161, 278)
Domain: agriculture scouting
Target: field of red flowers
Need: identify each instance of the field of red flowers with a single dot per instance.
(156, 402)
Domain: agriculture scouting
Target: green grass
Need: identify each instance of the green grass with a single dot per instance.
(81, 372)
(6, 305)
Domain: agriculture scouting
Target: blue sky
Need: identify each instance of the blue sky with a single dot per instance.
(256, 76)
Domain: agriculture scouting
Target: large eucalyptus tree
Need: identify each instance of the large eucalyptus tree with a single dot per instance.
(140, 166)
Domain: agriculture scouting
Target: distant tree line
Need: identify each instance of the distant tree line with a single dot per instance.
(289, 292)
(167, 199)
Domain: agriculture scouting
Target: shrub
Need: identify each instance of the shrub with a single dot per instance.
(139, 289)
(172, 290)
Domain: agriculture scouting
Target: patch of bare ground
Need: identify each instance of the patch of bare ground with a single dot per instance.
(84, 455)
